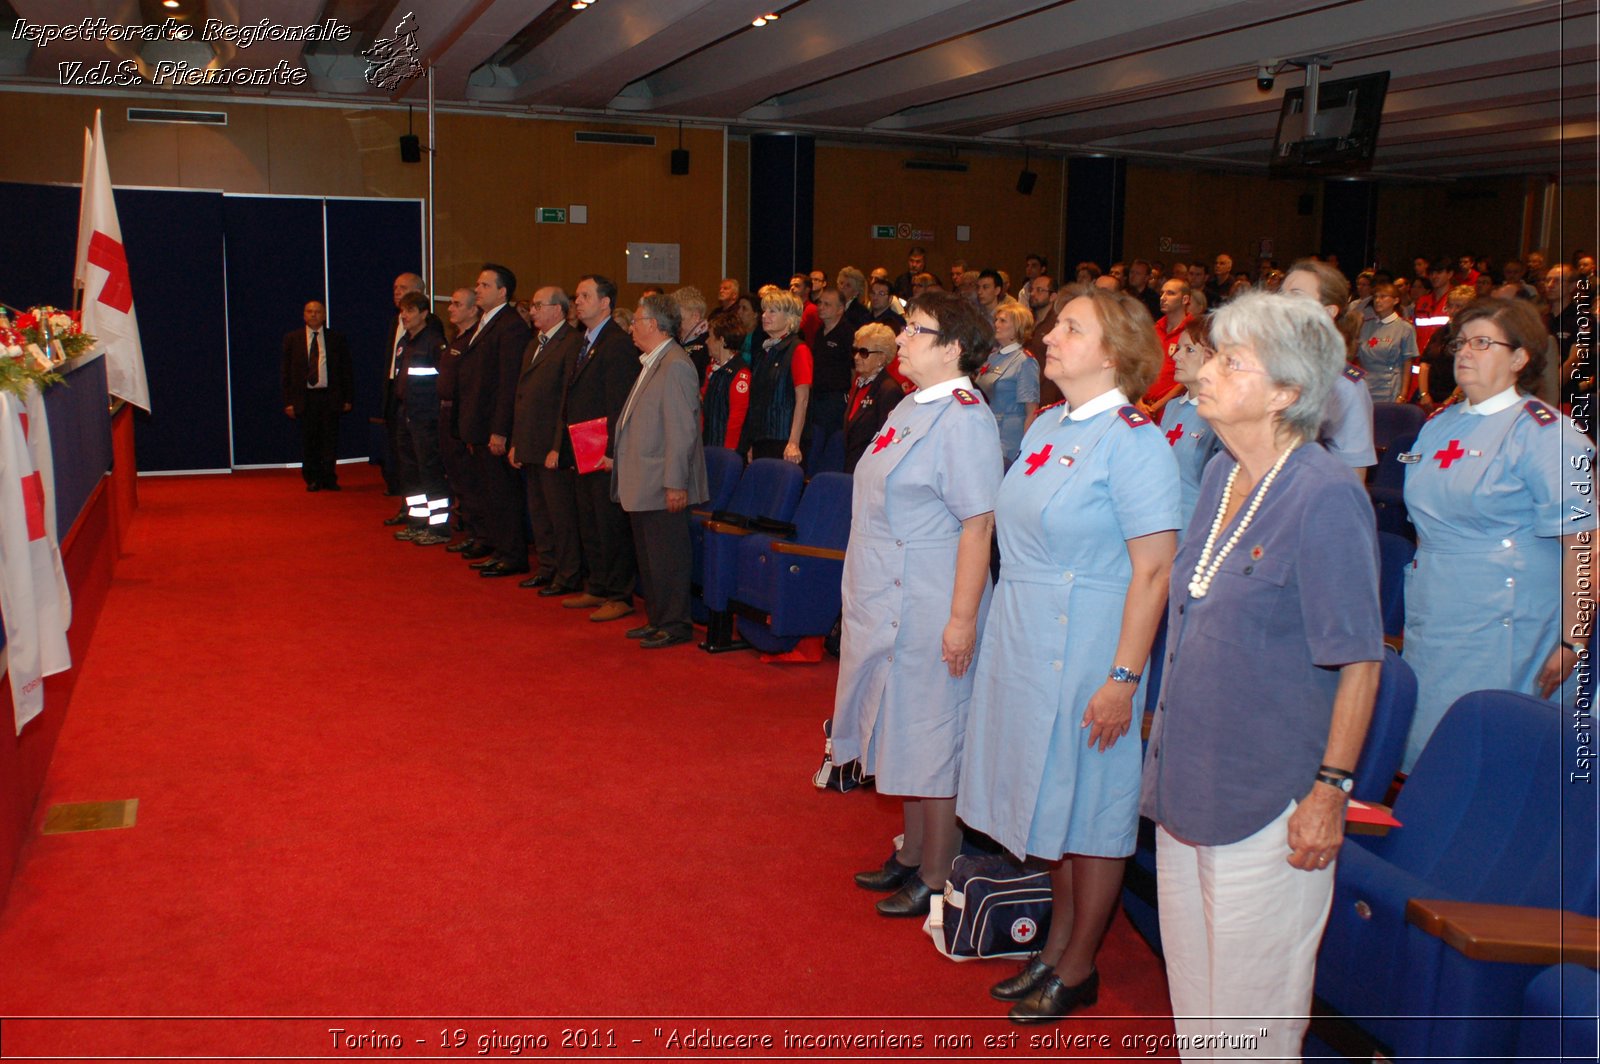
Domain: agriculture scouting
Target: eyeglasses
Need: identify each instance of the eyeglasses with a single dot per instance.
(915, 329)
(1231, 365)
(866, 351)
(1477, 343)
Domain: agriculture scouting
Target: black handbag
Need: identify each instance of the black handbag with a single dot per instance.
(842, 778)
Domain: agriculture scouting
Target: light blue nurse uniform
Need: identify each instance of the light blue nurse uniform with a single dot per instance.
(1384, 349)
(1489, 495)
(897, 708)
(1078, 493)
(1346, 431)
(1194, 443)
(1010, 379)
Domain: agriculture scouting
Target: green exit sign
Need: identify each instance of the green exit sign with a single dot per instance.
(883, 232)
(557, 215)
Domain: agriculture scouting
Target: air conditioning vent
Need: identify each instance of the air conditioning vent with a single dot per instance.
(190, 118)
(636, 140)
(935, 165)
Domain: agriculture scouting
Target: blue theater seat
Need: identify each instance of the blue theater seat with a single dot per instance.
(788, 587)
(1439, 927)
(1387, 488)
(765, 500)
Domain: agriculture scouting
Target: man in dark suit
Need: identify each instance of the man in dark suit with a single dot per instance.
(603, 375)
(660, 471)
(486, 393)
(536, 435)
(463, 313)
(406, 282)
(318, 386)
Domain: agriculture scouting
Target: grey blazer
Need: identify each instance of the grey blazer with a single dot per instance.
(658, 437)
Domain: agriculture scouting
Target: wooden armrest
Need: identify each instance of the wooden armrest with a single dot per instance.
(1146, 719)
(699, 513)
(377, 421)
(1513, 934)
(726, 529)
(783, 546)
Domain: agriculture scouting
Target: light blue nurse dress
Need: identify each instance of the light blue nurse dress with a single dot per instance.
(897, 707)
(1078, 493)
(1488, 496)
(1384, 349)
(1194, 443)
(1010, 379)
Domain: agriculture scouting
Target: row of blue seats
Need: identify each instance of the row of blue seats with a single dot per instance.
(769, 550)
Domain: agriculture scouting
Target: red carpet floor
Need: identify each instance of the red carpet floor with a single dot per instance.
(373, 785)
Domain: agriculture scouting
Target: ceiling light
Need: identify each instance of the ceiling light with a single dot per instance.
(169, 3)
(771, 17)
(579, 5)
(760, 21)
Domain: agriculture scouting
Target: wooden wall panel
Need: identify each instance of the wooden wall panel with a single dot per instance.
(1216, 212)
(1577, 221)
(1468, 217)
(738, 213)
(858, 187)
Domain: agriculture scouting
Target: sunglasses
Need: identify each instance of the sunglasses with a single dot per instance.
(867, 351)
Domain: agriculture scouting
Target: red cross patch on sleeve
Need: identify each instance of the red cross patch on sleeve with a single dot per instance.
(1355, 373)
(1539, 412)
(1131, 415)
(964, 397)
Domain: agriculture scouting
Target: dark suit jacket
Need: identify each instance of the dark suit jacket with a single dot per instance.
(336, 353)
(538, 428)
(883, 395)
(600, 388)
(486, 378)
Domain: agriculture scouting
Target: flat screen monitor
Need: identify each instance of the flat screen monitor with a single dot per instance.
(1349, 112)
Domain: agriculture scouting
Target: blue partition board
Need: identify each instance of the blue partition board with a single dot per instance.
(174, 245)
(80, 438)
(37, 266)
(274, 269)
(370, 243)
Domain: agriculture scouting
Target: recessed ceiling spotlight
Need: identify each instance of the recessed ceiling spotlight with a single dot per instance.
(771, 17)
(169, 3)
(579, 5)
(759, 21)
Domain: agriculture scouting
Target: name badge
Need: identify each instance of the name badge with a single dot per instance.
(1410, 459)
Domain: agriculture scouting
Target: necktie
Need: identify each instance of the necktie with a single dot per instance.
(583, 356)
(313, 362)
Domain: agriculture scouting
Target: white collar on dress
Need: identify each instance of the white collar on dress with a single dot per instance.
(1394, 315)
(940, 390)
(1494, 404)
(1098, 405)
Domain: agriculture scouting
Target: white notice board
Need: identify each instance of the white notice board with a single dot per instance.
(652, 263)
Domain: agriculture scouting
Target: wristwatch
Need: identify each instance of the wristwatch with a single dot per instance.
(1343, 783)
(1122, 674)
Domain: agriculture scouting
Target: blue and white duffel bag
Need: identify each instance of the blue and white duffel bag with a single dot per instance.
(990, 909)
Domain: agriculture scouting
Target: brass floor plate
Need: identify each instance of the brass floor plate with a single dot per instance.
(90, 816)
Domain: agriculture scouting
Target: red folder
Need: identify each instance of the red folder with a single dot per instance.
(588, 444)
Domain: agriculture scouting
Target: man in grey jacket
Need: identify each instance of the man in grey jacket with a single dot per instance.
(660, 471)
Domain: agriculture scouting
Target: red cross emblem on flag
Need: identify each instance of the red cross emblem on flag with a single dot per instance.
(33, 504)
(1037, 459)
(117, 292)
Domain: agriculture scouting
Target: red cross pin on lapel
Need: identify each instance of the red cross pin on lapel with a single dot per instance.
(1037, 459)
(1373, 342)
(1172, 437)
(1450, 454)
(885, 438)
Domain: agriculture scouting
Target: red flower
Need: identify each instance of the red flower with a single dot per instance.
(27, 321)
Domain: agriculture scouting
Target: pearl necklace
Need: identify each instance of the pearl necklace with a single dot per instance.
(1205, 567)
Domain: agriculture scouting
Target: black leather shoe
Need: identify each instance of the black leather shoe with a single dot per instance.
(910, 900)
(502, 569)
(1025, 982)
(660, 639)
(464, 545)
(557, 589)
(488, 561)
(330, 485)
(892, 876)
(535, 581)
(1053, 999)
(318, 487)
(477, 551)
(640, 632)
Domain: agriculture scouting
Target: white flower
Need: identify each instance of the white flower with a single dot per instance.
(60, 323)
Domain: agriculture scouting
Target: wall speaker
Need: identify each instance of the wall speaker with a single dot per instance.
(680, 161)
(1025, 182)
(410, 148)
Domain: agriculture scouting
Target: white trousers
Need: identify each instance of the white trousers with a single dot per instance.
(1240, 929)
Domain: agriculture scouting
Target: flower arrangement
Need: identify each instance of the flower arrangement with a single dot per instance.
(36, 341)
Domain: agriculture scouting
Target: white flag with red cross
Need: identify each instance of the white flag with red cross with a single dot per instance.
(102, 271)
(34, 599)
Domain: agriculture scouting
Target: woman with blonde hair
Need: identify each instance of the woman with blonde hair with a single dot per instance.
(780, 382)
(1009, 378)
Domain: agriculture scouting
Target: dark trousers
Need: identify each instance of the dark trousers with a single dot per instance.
(553, 516)
(825, 414)
(319, 437)
(457, 473)
(661, 541)
(502, 505)
(393, 416)
(421, 436)
(607, 539)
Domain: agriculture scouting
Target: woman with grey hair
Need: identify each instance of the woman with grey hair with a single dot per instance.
(780, 382)
(692, 332)
(1274, 640)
